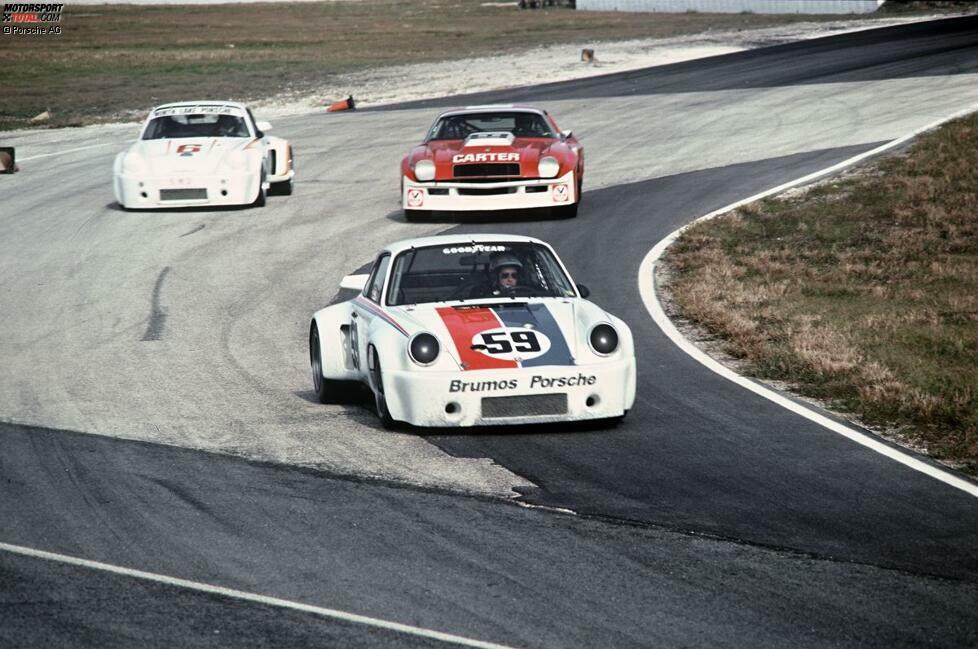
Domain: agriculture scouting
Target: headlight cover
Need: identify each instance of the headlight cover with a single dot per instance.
(424, 170)
(548, 167)
(603, 339)
(423, 348)
(237, 159)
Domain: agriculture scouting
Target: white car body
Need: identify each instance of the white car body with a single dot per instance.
(194, 164)
(562, 377)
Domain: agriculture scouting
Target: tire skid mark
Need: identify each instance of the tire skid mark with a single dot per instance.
(157, 315)
(194, 231)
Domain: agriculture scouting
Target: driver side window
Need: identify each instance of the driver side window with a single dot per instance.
(375, 286)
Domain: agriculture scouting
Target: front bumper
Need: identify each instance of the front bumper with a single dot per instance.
(520, 194)
(456, 398)
(153, 192)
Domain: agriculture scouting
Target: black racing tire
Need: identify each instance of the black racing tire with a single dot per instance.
(262, 197)
(567, 211)
(283, 188)
(611, 422)
(380, 400)
(327, 390)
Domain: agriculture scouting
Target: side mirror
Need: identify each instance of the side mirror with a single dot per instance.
(566, 134)
(583, 290)
(263, 126)
(354, 282)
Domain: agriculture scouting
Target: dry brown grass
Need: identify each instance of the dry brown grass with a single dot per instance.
(112, 59)
(862, 292)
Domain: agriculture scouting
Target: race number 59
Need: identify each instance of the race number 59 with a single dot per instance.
(511, 343)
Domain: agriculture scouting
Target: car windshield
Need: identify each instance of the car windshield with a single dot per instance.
(472, 271)
(195, 125)
(520, 124)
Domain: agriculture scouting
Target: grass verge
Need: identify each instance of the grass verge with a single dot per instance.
(861, 291)
(117, 61)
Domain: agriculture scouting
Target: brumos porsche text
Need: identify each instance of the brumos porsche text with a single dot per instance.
(485, 157)
(536, 381)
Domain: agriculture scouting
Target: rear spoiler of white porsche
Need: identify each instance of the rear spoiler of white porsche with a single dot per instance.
(354, 282)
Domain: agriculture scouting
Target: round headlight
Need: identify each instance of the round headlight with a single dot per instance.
(424, 170)
(423, 348)
(133, 163)
(548, 167)
(603, 339)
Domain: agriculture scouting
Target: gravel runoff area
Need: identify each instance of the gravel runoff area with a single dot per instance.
(393, 84)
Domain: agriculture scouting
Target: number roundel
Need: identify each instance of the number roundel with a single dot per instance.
(511, 343)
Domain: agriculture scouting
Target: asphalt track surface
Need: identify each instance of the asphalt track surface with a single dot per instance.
(710, 517)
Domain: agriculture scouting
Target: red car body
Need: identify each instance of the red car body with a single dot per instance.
(493, 158)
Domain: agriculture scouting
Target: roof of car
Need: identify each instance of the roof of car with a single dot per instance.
(202, 102)
(458, 239)
(488, 108)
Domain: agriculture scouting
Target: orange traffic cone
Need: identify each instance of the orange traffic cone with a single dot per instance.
(346, 104)
(7, 164)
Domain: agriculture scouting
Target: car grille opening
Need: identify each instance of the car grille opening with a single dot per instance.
(485, 191)
(183, 194)
(524, 406)
(482, 170)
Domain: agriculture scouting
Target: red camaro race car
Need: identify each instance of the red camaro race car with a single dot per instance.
(493, 158)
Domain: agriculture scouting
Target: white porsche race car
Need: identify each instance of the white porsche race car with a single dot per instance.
(202, 153)
(466, 330)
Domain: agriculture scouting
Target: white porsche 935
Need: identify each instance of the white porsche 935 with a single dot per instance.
(202, 153)
(465, 330)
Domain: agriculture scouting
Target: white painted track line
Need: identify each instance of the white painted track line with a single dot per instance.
(646, 287)
(57, 153)
(253, 597)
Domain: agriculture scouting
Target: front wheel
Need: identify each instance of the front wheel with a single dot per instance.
(260, 200)
(611, 422)
(567, 211)
(416, 215)
(380, 399)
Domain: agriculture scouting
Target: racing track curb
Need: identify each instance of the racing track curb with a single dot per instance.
(646, 288)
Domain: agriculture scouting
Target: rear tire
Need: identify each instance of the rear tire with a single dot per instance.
(283, 188)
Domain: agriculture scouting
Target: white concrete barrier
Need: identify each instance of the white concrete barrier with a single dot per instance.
(736, 6)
